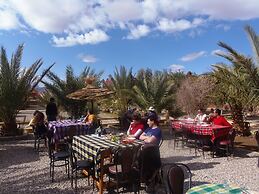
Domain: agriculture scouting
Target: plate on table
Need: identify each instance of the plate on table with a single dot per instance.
(130, 139)
(205, 125)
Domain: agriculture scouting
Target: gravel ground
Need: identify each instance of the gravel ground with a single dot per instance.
(25, 171)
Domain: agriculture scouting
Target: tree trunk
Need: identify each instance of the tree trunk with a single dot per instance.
(238, 119)
(10, 127)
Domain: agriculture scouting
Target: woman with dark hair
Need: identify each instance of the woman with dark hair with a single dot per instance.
(218, 119)
(136, 126)
(152, 134)
(40, 125)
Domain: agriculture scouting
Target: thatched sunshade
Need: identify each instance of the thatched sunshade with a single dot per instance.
(90, 92)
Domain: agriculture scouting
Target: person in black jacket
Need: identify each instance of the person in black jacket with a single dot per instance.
(51, 110)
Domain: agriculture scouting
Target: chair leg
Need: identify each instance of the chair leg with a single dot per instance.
(35, 141)
(38, 146)
(76, 181)
(195, 146)
(227, 151)
(53, 171)
(174, 143)
(68, 168)
(50, 171)
(213, 151)
(72, 178)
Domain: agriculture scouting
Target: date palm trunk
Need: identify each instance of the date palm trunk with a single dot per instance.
(238, 120)
(10, 127)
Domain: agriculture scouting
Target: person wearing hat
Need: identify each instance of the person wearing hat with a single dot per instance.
(152, 111)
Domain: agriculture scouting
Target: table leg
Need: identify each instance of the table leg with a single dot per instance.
(101, 185)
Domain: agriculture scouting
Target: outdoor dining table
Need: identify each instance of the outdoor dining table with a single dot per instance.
(214, 131)
(92, 146)
(216, 189)
(61, 128)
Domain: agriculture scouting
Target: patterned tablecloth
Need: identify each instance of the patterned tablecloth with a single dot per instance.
(214, 131)
(215, 189)
(61, 128)
(90, 147)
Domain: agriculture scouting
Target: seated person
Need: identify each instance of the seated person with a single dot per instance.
(33, 119)
(92, 121)
(136, 126)
(40, 127)
(152, 134)
(200, 117)
(211, 114)
(90, 117)
(217, 119)
(151, 112)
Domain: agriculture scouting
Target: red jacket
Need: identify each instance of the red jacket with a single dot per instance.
(220, 120)
(134, 127)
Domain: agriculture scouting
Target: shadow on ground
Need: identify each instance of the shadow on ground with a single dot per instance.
(16, 150)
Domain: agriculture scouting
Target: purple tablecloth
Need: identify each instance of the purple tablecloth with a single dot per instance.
(60, 128)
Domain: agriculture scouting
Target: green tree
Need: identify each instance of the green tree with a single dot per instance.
(121, 83)
(61, 88)
(236, 84)
(16, 84)
(153, 89)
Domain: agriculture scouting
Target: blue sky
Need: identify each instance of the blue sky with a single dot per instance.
(156, 34)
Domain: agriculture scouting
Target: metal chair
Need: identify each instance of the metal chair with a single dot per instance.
(79, 165)
(71, 131)
(175, 175)
(178, 136)
(257, 138)
(121, 171)
(226, 143)
(61, 157)
(40, 133)
(147, 166)
(161, 142)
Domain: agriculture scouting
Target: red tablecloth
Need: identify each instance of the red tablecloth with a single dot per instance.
(214, 131)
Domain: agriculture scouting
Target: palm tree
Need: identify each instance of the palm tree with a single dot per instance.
(16, 84)
(236, 84)
(121, 83)
(153, 89)
(61, 88)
